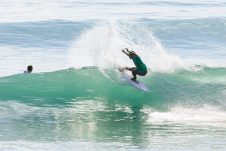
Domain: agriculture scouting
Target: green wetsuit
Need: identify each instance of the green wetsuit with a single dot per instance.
(139, 64)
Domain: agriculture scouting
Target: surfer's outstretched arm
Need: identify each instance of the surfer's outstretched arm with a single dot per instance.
(130, 54)
(127, 53)
(128, 50)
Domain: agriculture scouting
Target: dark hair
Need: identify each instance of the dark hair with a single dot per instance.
(29, 68)
(132, 54)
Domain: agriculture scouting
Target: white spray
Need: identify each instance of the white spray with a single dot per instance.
(101, 47)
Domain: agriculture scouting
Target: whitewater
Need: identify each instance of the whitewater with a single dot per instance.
(75, 99)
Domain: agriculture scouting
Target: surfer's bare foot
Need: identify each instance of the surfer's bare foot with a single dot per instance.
(133, 79)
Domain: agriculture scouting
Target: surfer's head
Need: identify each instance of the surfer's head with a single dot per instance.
(29, 68)
(132, 54)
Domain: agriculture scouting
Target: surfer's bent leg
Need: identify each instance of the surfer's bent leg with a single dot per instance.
(130, 69)
(141, 73)
(134, 72)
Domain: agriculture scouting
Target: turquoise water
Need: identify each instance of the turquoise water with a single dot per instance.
(77, 100)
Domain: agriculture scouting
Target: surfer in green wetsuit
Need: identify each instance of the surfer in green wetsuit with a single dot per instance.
(140, 68)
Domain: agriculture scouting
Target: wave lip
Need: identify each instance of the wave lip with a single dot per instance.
(167, 89)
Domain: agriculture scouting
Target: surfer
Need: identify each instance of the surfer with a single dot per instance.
(29, 69)
(140, 68)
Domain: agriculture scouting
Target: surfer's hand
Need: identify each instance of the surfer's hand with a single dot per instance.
(123, 51)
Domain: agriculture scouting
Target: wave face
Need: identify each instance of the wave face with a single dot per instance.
(167, 89)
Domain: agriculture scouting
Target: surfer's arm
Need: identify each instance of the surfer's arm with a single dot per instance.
(125, 52)
(128, 52)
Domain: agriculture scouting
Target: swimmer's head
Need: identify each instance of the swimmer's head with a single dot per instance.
(29, 68)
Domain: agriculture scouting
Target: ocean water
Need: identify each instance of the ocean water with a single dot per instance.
(76, 99)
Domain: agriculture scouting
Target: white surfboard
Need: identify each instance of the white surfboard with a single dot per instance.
(136, 84)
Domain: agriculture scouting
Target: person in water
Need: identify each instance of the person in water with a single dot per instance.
(140, 68)
(29, 69)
